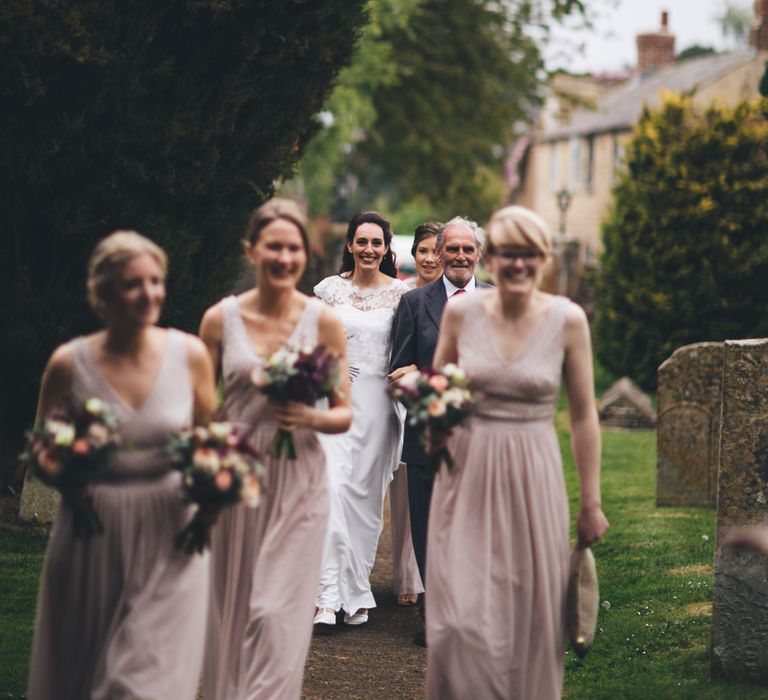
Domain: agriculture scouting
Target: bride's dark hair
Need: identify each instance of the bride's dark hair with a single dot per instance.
(387, 265)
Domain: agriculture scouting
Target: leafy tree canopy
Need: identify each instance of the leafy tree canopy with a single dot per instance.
(686, 239)
(439, 88)
(172, 118)
(694, 51)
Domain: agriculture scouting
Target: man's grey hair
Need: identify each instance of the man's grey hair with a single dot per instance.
(478, 232)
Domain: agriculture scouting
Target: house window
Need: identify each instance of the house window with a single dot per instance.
(554, 167)
(576, 163)
(589, 172)
(618, 157)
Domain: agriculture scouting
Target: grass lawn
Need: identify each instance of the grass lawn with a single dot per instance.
(655, 571)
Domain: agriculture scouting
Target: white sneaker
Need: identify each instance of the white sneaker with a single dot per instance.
(325, 616)
(359, 618)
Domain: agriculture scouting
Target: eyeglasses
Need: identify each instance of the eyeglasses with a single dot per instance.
(512, 254)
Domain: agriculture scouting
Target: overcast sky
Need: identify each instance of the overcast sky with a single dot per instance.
(610, 45)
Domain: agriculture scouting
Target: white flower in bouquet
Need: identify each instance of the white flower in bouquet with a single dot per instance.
(454, 373)
(99, 434)
(64, 433)
(94, 406)
(454, 397)
(220, 430)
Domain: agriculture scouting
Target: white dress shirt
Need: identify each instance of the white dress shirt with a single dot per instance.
(451, 288)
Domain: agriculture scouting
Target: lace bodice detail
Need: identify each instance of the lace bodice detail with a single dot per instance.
(367, 318)
(525, 387)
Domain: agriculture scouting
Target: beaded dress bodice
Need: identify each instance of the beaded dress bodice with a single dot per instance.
(524, 387)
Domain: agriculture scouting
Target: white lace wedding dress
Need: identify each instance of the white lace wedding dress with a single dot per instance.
(361, 461)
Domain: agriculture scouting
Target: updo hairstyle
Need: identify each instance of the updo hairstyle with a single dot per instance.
(110, 256)
(425, 230)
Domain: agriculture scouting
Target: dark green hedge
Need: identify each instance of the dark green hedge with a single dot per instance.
(686, 240)
(172, 118)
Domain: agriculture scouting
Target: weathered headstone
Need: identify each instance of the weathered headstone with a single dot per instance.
(689, 391)
(625, 405)
(38, 502)
(740, 606)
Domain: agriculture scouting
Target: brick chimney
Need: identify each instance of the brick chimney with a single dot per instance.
(656, 49)
(759, 35)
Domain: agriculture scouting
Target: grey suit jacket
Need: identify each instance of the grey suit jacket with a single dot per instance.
(414, 337)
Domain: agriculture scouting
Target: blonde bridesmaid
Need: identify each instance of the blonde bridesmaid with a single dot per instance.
(122, 614)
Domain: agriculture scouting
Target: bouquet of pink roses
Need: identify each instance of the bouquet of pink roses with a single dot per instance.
(219, 469)
(436, 401)
(296, 375)
(69, 450)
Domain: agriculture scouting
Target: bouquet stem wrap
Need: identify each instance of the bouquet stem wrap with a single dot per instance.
(282, 446)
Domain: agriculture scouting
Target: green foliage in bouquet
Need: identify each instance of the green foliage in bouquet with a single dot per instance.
(686, 240)
(172, 118)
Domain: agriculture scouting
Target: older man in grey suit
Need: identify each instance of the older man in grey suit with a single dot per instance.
(414, 336)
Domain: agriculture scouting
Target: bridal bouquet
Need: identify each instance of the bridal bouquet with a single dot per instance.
(296, 375)
(219, 469)
(69, 450)
(437, 401)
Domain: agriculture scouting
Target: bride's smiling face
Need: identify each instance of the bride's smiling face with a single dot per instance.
(368, 246)
(278, 256)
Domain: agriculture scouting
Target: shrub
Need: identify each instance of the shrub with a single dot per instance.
(172, 118)
(686, 239)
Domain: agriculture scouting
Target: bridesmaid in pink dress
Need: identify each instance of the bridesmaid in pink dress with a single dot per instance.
(498, 528)
(265, 562)
(122, 614)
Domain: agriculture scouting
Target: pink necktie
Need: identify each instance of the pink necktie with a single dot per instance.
(458, 291)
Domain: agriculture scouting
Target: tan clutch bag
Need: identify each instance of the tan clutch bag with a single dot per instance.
(582, 600)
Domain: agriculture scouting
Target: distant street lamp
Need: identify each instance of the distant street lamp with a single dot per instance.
(564, 198)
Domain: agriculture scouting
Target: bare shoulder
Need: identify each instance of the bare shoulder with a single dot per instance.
(196, 350)
(62, 358)
(211, 323)
(575, 316)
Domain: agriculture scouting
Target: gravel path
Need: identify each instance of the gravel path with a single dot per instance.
(377, 660)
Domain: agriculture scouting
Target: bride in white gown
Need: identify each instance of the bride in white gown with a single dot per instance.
(361, 461)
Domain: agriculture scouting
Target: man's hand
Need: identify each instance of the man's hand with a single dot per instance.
(400, 372)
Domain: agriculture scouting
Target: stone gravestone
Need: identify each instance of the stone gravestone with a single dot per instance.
(689, 390)
(624, 405)
(38, 502)
(740, 606)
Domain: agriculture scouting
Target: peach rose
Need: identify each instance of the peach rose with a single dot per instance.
(436, 408)
(81, 447)
(206, 458)
(438, 382)
(223, 481)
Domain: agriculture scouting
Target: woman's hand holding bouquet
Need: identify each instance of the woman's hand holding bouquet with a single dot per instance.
(296, 376)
